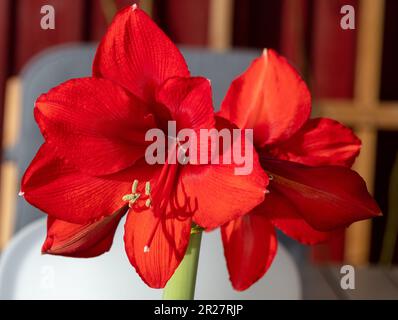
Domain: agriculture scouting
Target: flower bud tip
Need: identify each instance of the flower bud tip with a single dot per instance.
(21, 194)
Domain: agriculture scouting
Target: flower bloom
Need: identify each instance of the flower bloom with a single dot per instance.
(313, 194)
(91, 169)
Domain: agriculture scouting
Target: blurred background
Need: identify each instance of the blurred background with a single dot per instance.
(351, 73)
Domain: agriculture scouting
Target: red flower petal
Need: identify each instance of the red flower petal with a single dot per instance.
(320, 142)
(250, 246)
(189, 101)
(61, 191)
(269, 97)
(217, 195)
(284, 216)
(136, 54)
(328, 198)
(81, 241)
(95, 124)
(167, 248)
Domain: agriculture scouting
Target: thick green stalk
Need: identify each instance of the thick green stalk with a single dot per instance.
(181, 286)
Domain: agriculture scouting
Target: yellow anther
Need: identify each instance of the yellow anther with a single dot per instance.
(135, 186)
(148, 203)
(131, 198)
(147, 188)
(128, 197)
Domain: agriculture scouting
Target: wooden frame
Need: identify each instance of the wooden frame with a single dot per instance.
(366, 114)
(220, 24)
(9, 170)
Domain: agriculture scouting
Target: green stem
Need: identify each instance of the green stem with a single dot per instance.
(181, 286)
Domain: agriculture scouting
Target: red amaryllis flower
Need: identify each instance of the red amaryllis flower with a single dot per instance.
(312, 193)
(91, 169)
